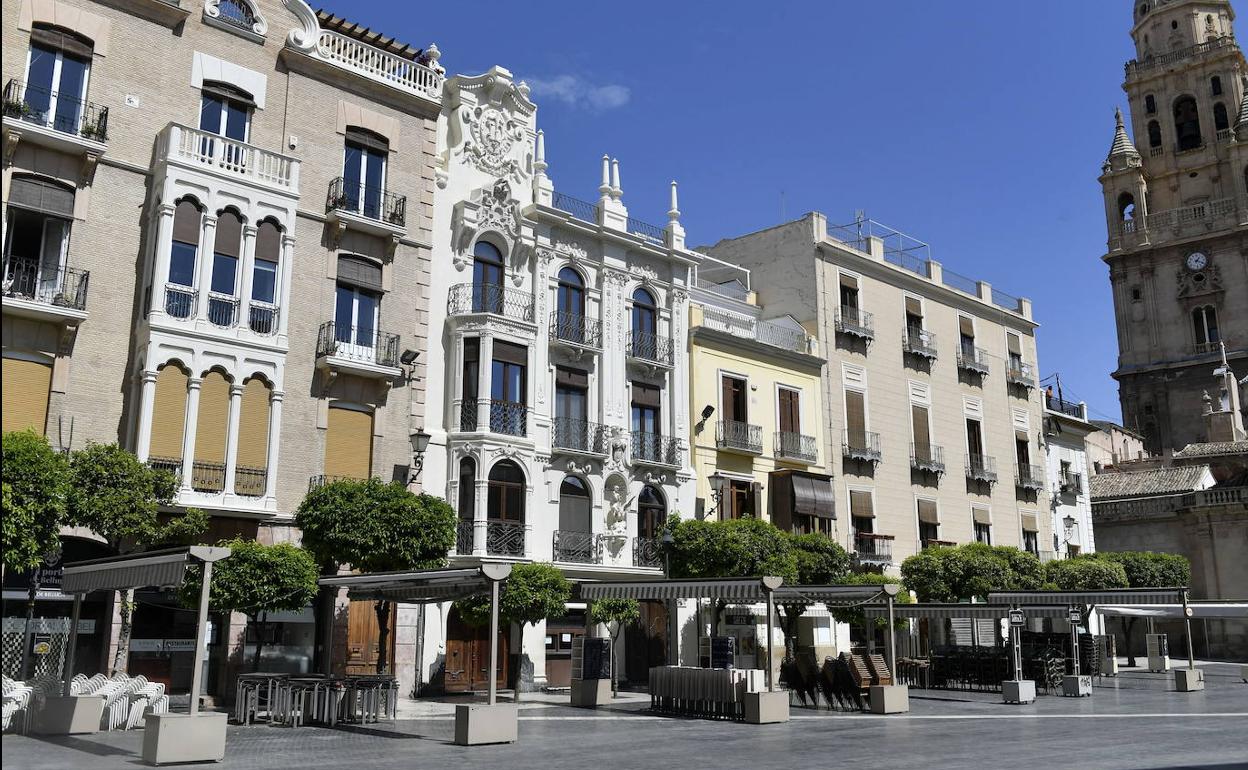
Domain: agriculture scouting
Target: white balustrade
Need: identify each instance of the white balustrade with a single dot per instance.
(374, 63)
(230, 157)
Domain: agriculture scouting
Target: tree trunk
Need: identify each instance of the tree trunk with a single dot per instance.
(1128, 625)
(121, 658)
(383, 634)
(615, 679)
(261, 626)
(517, 674)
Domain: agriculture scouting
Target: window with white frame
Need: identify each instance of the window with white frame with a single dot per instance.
(57, 68)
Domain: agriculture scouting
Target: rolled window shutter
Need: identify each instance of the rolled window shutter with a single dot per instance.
(573, 378)
(1013, 344)
(966, 326)
(229, 235)
(511, 353)
(860, 504)
(41, 195)
(253, 426)
(214, 412)
(981, 515)
(368, 139)
(268, 241)
(922, 438)
(855, 415)
(360, 272)
(1030, 523)
(25, 395)
(187, 222)
(168, 414)
(349, 443)
(927, 512)
(645, 395)
(63, 40)
(914, 307)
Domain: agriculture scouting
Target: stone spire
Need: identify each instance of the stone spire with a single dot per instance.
(1241, 122)
(1122, 146)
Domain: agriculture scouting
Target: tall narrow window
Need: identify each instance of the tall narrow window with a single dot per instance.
(929, 521)
(210, 433)
(975, 447)
(505, 501)
(849, 292)
(179, 298)
(364, 173)
(651, 513)
(856, 419)
(466, 502)
(1215, 85)
(252, 462)
(740, 499)
(1220, 121)
(470, 384)
(1014, 349)
(914, 317)
(921, 427)
(222, 302)
(1154, 134)
(349, 443)
(966, 336)
(574, 515)
(572, 429)
(862, 512)
(357, 307)
(1150, 105)
(790, 404)
(508, 388)
(982, 518)
(487, 278)
(647, 429)
(570, 303)
(55, 91)
(262, 314)
(1187, 124)
(1022, 452)
(644, 329)
(225, 111)
(37, 246)
(1205, 328)
(168, 418)
(734, 400)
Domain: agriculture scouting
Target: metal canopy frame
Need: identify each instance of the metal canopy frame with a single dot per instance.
(1108, 596)
(973, 611)
(153, 568)
(429, 586)
(1209, 610)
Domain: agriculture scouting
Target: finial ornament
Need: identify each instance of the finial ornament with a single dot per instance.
(605, 187)
(673, 213)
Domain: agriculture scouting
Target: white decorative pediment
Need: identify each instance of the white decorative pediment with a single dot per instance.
(491, 126)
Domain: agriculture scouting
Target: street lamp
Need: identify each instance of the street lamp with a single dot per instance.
(420, 443)
(717, 491)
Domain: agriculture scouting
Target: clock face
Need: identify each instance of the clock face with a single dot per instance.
(1196, 261)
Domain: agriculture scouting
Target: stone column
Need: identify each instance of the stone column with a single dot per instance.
(203, 271)
(247, 267)
(485, 366)
(275, 434)
(480, 509)
(285, 269)
(231, 436)
(163, 253)
(188, 432)
(147, 403)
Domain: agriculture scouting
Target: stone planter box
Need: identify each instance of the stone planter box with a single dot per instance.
(170, 738)
(477, 725)
(69, 715)
(889, 699)
(765, 708)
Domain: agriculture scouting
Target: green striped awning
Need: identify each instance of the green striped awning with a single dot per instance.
(731, 589)
(140, 570)
(831, 595)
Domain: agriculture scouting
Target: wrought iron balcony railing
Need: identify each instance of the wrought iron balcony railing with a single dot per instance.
(1071, 483)
(647, 552)
(465, 530)
(46, 284)
(1021, 374)
(863, 446)
(57, 111)
(579, 436)
(972, 359)
(1055, 404)
(180, 301)
(576, 329)
(855, 322)
(654, 448)
(730, 434)
(509, 418)
(927, 458)
(919, 342)
(262, 318)
(576, 547)
(207, 477)
(172, 465)
(795, 446)
(494, 299)
(648, 346)
(873, 548)
(582, 210)
(1029, 477)
(358, 343)
(505, 538)
(250, 482)
(468, 414)
(222, 310)
(981, 468)
(370, 202)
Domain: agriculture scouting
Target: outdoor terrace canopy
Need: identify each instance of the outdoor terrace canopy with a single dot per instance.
(420, 586)
(730, 589)
(1175, 611)
(974, 611)
(1109, 596)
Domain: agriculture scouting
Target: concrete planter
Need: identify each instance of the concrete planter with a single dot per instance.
(766, 708)
(889, 699)
(590, 693)
(1018, 691)
(1077, 686)
(69, 715)
(1189, 679)
(477, 725)
(171, 738)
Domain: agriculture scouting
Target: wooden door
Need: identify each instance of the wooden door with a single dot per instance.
(363, 638)
(468, 657)
(645, 643)
(559, 637)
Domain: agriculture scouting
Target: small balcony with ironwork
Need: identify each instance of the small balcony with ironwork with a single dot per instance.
(974, 360)
(367, 209)
(649, 350)
(1020, 375)
(1077, 410)
(362, 351)
(927, 458)
(734, 436)
(1070, 483)
(228, 159)
(57, 121)
(919, 342)
(491, 299)
(981, 468)
(860, 446)
(647, 552)
(210, 482)
(654, 449)
(44, 292)
(853, 322)
(1029, 477)
(505, 418)
(492, 537)
(580, 437)
(573, 547)
(576, 332)
(795, 447)
(870, 548)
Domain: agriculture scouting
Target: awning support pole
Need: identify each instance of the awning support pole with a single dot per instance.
(1074, 641)
(68, 674)
(1016, 646)
(771, 636)
(892, 640)
(1187, 621)
(493, 641)
(201, 637)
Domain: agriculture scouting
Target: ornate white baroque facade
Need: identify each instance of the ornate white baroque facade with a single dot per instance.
(557, 375)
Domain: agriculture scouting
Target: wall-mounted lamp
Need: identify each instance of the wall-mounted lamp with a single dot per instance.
(707, 411)
(420, 443)
(409, 357)
(717, 480)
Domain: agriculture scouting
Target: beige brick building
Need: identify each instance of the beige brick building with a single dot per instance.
(932, 406)
(217, 224)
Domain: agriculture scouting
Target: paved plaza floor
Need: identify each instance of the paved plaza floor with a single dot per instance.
(1134, 722)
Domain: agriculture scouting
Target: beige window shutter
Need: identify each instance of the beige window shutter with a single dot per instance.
(856, 416)
(25, 395)
(1013, 344)
(966, 326)
(927, 512)
(860, 504)
(982, 515)
(168, 413)
(214, 413)
(253, 426)
(1029, 523)
(349, 443)
(922, 438)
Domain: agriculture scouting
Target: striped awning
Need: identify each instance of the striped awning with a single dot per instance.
(831, 595)
(976, 611)
(1111, 596)
(731, 589)
(1199, 610)
(419, 586)
(154, 568)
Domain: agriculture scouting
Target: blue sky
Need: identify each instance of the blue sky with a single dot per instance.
(978, 127)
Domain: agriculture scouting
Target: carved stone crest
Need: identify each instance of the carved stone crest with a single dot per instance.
(491, 135)
(1204, 282)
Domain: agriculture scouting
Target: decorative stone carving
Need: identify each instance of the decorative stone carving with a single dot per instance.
(582, 469)
(658, 479)
(1191, 284)
(570, 248)
(618, 459)
(645, 272)
(491, 133)
(618, 503)
(259, 26)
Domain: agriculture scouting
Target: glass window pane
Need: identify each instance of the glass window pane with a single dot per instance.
(39, 84)
(25, 235)
(366, 317)
(374, 171)
(344, 313)
(210, 108)
(236, 122)
(182, 264)
(498, 382)
(224, 269)
(264, 281)
(70, 92)
(351, 177)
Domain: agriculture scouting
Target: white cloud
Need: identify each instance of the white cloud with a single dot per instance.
(574, 91)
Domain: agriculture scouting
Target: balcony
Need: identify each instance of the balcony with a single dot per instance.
(1020, 374)
(209, 477)
(981, 468)
(508, 418)
(359, 350)
(56, 121)
(871, 548)
(576, 331)
(649, 348)
(372, 210)
(262, 318)
(860, 446)
(855, 323)
(750, 328)
(647, 552)
(1070, 483)
(573, 547)
(1071, 409)
(44, 292)
(974, 360)
(919, 342)
(404, 75)
(927, 458)
(1029, 477)
(579, 436)
(1161, 226)
(739, 437)
(492, 299)
(934, 543)
(505, 538)
(788, 445)
(464, 530)
(1206, 348)
(1140, 66)
(228, 158)
(653, 449)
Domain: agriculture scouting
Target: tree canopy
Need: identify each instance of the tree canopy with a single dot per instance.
(618, 611)
(957, 573)
(820, 559)
(854, 615)
(1148, 569)
(736, 548)
(35, 487)
(1086, 574)
(532, 593)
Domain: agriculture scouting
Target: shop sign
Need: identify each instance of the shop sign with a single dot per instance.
(146, 645)
(179, 645)
(41, 644)
(740, 619)
(1016, 618)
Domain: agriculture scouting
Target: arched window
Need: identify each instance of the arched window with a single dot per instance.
(1126, 207)
(222, 302)
(487, 278)
(357, 307)
(237, 13)
(1205, 328)
(168, 418)
(364, 176)
(505, 501)
(210, 433)
(1150, 105)
(1187, 124)
(1220, 120)
(645, 323)
(1215, 85)
(262, 315)
(1154, 134)
(570, 316)
(651, 513)
(251, 465)
(573, 541)
(187, 221)
(466, 504)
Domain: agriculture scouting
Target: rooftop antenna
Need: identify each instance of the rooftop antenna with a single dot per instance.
(860, 215)
(783, 214)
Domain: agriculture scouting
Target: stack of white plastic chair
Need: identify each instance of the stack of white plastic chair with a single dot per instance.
(17, 698)
(150, 697)
(81, 685)
(116, 694)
